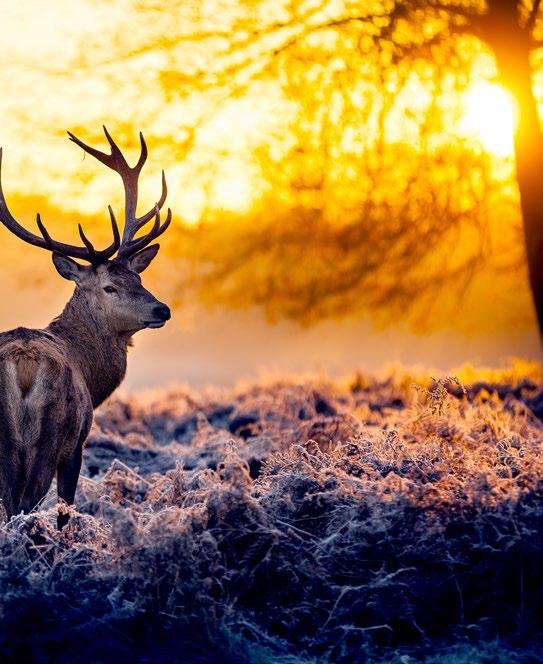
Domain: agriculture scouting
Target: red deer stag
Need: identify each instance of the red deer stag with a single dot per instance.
(52, 379)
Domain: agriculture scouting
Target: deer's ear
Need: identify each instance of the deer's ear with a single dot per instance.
(141, 260)
(67, 268)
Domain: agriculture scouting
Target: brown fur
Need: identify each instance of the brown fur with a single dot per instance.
(52, 379)
(27, 362)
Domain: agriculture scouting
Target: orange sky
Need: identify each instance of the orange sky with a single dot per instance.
(41, 98)
(44, 95)
(205, 348)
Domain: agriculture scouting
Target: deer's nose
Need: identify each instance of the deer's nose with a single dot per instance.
(162, 312)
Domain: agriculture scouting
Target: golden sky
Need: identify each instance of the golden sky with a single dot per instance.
(44, 94)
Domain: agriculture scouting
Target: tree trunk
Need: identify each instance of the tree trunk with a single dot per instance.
(529, 164)
(511, 45)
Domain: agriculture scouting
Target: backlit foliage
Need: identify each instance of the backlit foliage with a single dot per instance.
(318, 152)
(373, 199)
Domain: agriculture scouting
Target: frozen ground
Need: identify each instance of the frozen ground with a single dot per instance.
(397, 519)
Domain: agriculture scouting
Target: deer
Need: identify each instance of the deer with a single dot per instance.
(52, 379)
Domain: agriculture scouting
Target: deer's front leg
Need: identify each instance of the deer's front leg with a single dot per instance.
(67, 476)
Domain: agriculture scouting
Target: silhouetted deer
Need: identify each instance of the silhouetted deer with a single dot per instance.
(52, 379)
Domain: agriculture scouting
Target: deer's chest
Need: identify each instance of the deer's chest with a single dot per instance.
(109, 376)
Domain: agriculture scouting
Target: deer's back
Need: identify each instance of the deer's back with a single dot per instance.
(40, 388)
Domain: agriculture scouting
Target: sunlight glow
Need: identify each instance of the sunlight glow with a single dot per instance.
(490, 117)
(233, 192)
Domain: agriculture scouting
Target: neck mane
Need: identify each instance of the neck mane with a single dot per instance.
(96, 350)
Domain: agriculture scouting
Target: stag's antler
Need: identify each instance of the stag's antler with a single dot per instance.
(126, 246)
(129, 175)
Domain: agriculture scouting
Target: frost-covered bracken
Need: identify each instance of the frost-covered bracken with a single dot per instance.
(397, 519)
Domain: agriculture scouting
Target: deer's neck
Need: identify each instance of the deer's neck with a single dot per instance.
(98, 352)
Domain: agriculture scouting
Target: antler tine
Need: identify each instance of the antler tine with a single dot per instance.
(107, 159)
(98, 257)
(115, 150)
(130, 181)
(117, 158)
(48, 239)
(101, 256)
(86, 241)
(166, 223)
(131, 246)
(145, 218)
(156, 231)
(143, 154)
(114, 228)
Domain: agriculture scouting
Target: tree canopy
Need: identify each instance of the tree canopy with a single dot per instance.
(374, 200)
(323, 150)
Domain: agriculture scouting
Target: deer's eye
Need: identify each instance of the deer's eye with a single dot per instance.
(110, 289)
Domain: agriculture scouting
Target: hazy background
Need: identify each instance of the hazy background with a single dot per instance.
(75, 66)
(202, 347)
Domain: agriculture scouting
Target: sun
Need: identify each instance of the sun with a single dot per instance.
(490, 117)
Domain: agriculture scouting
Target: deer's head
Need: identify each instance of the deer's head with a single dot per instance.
(110, 280)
